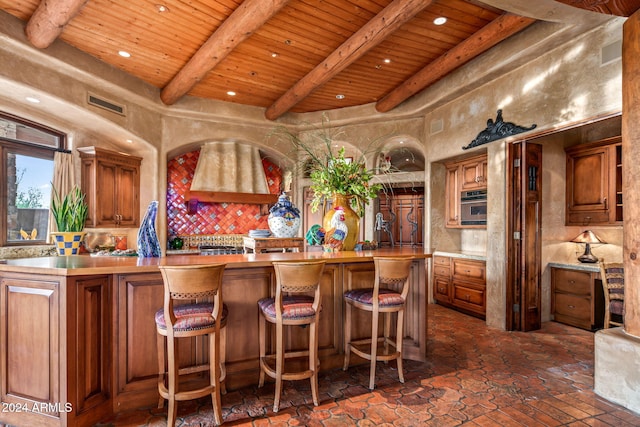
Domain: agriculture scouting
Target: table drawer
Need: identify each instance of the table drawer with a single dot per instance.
(572, 281)
(575, 306)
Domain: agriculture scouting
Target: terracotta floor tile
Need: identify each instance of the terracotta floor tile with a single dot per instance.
(473, 376)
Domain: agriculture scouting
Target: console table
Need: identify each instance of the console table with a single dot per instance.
(261, 244)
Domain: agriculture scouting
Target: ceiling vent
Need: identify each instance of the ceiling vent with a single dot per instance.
(106, 105)
(436, 126)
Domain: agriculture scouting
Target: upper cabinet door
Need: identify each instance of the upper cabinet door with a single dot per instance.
(592, 193)
(474, 174)
(463, 175)
(111, 182)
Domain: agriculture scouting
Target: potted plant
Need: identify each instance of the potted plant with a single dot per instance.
(344, 180)
(69, 213)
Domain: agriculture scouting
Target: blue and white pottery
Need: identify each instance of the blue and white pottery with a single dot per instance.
(284, 218)
(148, 242)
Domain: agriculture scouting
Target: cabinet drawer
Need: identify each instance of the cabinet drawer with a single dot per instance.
(441, 289)
(572, 281)
(469, 270)
(575, 306)
(439, 270)
(441, 261)
(587, 218)
(470, 297)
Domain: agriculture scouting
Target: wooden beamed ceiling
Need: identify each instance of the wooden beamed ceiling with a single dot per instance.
(281, 55)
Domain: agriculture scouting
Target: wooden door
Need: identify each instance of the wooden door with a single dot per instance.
(524, 227)
(403, 209)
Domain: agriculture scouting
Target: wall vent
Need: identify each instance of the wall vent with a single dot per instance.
(436, 126)
(611, 52)
(106, 105)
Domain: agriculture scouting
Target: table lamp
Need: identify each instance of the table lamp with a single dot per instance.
(587, 237)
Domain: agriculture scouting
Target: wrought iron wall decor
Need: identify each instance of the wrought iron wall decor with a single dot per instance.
(497, 130)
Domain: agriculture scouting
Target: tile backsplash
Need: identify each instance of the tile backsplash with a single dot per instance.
(211, 218)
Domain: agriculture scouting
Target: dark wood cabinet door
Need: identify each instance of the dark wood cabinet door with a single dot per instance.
(111, 182)
(128, 199)
(594, 183)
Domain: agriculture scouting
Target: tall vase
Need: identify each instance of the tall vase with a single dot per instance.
(148, 242)
(351, 220)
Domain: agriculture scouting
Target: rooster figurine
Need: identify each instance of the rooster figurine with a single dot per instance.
(337, 232)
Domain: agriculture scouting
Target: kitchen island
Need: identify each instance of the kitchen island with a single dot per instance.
(78, 339)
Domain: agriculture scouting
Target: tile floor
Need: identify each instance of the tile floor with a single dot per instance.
(474, 375)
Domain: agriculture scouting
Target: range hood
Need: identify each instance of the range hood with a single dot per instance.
(230, 172)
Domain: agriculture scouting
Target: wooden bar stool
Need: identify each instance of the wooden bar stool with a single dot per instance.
(388, 295)
(291, 307)
(192, 282)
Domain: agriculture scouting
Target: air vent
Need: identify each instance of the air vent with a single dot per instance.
(106, 105)
(611, 52)
(436, 126)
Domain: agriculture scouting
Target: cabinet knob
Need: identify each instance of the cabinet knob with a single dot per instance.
(468, 297)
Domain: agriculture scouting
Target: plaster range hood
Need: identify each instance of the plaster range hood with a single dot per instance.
(230, 172)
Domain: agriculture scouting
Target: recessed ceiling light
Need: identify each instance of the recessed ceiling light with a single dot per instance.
(387, 61)
(124, 54)
(274, 54)
(339, 96)
(130, 141)
(231, 93)
(440, 21)
(162, 8)
(32, 99)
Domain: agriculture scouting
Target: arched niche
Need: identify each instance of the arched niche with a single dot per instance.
(401, 154)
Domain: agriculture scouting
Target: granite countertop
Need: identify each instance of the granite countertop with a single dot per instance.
(594, 268)
(480, 256)
(76, 265)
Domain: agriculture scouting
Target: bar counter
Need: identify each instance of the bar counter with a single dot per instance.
(78, 339)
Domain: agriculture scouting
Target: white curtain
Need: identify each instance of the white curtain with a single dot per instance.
(63, 181)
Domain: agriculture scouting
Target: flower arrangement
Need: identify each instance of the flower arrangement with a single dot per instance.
(332, 173)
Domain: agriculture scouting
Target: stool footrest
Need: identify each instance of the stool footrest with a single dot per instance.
(187, 394)
(380, 356)
(267, 361)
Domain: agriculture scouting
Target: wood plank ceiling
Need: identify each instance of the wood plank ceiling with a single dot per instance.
(282, 55)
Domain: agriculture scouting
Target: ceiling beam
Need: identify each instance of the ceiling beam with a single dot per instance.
(49, 19)
(238, 27)
(367, 37)
(482, 40)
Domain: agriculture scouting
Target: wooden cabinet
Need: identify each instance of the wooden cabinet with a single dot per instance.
(473, 173)
(111, 182)
(463, 175)
(55, 349)
(577, 298)
(594, 183)
(460, 283)
(452, 194)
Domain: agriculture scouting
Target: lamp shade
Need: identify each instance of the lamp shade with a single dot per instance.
(587, 237)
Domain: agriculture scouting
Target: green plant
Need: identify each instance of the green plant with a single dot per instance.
(69, 212)
(331, 172)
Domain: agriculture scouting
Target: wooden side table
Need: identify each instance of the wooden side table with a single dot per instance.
(577, 297)
(260, 244)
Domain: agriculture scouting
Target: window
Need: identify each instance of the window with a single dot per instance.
(27, 151)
